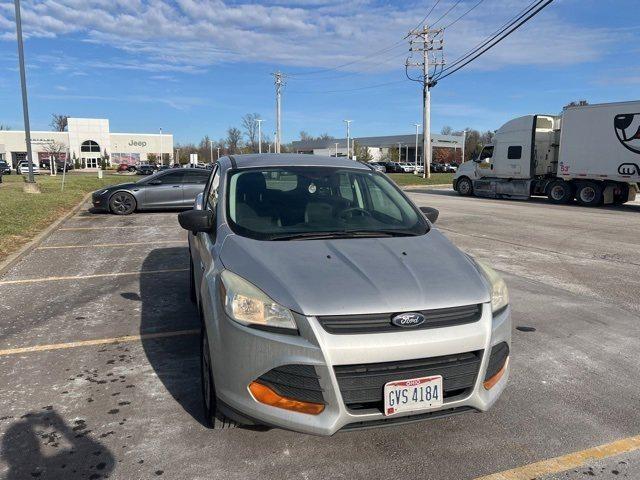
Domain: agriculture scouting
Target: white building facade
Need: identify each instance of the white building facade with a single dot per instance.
(87, 141)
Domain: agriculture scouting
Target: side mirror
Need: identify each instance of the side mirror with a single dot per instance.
(197, 205)
(155, 182)
(431, 213)
(197, 220)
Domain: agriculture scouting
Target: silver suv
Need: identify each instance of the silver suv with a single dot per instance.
(329, 302)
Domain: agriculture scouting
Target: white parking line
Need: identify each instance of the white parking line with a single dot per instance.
(93, 245)
(83, 277)
(69, 229)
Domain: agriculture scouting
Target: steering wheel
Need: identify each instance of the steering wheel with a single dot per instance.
(351, 211)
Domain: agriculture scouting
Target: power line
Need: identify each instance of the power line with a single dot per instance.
(447, 71)
(450, 24)
(446, 13)
(366, 87)
(495, 33)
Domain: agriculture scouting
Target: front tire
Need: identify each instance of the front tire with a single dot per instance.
(589, 194)
(464, 187)
(122, 203)
(213, 417)
(560, 191)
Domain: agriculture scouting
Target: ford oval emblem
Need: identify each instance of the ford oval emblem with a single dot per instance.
(408, 320)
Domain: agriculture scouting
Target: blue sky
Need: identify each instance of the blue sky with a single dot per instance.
(194, 67)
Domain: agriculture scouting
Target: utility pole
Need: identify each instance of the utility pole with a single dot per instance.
(348, 122)
(211, 151)
(336, 149)
(464, 141)
(177, 159)
(399, 152)
(161, 160)
(259, 121)
(428, 42)
(25, 101)
(279, 82)
(415, 156)
(218, 153)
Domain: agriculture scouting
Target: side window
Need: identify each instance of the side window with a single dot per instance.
(212, 192)
(381, 202)
(487, 152)
(199, 177)
(171, 178)
(514, 152)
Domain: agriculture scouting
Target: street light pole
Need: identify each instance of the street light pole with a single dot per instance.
(415, 157)
(348, 122)
(336, 149)
(218, 153)
(259, 120)
(161, 160)
(23, 84)
(464, 141)
(210, 151)
(399, 152)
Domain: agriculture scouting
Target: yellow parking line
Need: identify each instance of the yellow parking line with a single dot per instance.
(99, 341)
(96, 275)
(53, 247)
(69, 229)
(567, 462)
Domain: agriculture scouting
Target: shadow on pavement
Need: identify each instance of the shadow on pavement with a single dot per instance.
(43, 445)
(165, 306)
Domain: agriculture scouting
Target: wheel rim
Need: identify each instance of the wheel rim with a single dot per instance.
(557, 192)
(588, 194)
(464, 186)
(122, 203)
(206, 372)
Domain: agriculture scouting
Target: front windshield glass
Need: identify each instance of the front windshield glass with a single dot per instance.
(321, 202)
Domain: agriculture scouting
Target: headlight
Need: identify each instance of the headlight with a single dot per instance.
(499, 292)
(102, 192)
(247, 304)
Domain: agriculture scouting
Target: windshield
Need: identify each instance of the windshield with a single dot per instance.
(318, 202)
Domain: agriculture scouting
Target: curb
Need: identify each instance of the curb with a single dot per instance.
(15, 257)
(418, 185)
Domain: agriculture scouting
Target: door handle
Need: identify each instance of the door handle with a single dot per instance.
(176, 186)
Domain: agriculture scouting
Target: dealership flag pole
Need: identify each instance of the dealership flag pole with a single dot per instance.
(23, 84)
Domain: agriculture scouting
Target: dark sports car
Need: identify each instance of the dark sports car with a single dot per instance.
(168, 189)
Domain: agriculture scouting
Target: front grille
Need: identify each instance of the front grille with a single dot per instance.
(299, 382)
(362, 386)
(381, 322)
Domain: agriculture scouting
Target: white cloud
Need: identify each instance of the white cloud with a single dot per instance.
(191, 35)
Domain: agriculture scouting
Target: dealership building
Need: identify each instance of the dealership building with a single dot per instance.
(87, 141)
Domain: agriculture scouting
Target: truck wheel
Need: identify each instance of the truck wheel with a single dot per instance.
(560, 191)
(589, 194)
(464, 187)
(622, 196)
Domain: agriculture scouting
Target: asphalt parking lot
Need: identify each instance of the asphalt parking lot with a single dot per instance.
(99, 369)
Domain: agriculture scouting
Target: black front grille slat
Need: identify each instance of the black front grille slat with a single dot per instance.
(299, 382)
(407, 418)
(362, 386)
(381, 322)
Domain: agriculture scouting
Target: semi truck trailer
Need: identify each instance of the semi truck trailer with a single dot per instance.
(590, 153)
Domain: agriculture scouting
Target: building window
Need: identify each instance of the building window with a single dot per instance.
(514, 152)
(90, 146)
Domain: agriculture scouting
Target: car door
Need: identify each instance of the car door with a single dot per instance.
(164, 190)
(202, 244)
(193, 183)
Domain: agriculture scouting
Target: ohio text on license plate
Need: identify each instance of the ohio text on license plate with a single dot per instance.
(412, 395)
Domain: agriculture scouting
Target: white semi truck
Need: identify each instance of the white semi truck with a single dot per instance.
(590, 153)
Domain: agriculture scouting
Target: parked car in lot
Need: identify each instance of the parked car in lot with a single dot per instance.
(408, 167)
(449, 168)
(5, 168)
(125, 167)
(23, 168)
(170, 189)
(420, 168)
(379, 166)
(146, 170)
(330, 302)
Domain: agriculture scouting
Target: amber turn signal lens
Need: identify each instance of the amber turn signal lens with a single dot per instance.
(265, 395)
(489, 384)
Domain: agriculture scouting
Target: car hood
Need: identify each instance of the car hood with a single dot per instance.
(120, 186)
(364, 275)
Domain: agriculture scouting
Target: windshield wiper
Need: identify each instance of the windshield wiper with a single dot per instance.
(342, 234)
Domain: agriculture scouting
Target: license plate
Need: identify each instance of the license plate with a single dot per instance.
(413, 395)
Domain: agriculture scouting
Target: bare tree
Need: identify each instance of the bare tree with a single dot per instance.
(250, 126)
(234, 137)
(577, 103)
(446, 130)
(57, 152)
(4, 127)
(59, 122)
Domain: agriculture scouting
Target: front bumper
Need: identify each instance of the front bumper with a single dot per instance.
(240, 355)
(100, 202)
